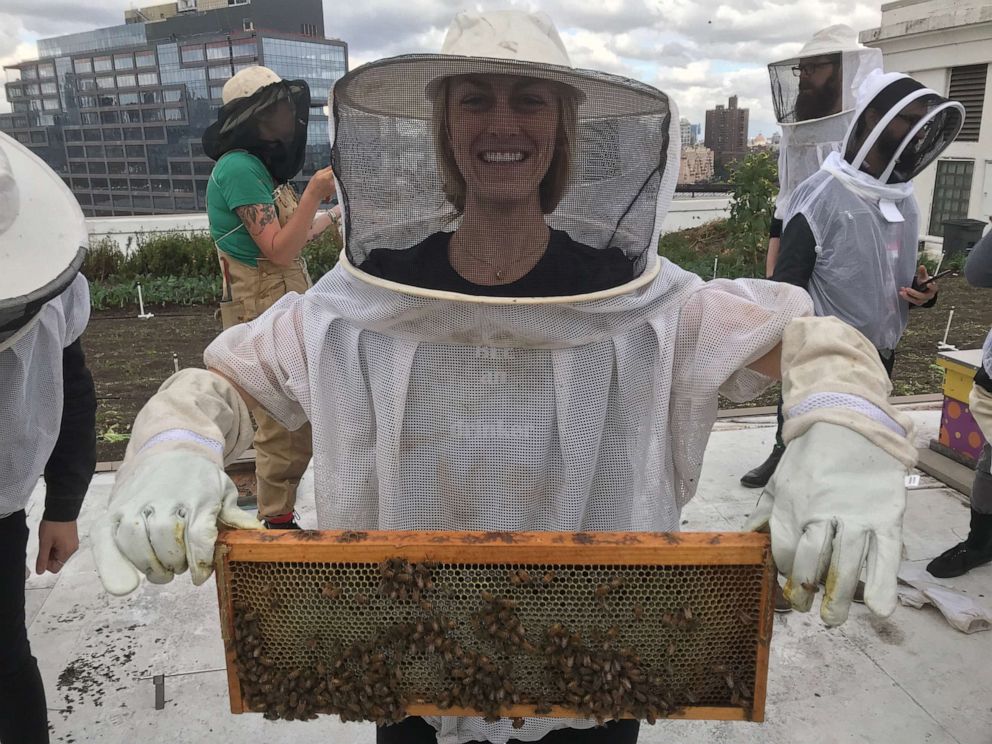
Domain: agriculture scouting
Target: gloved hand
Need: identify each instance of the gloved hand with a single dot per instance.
(835, 503)
(162, 519)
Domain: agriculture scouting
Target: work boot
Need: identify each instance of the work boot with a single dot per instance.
(759, 477)
(281, 522)
(975, 551)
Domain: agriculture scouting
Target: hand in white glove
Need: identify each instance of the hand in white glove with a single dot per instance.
(835, 502)
(163, 519)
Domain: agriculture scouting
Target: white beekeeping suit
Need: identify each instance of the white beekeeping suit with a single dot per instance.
(500, 347)
(44, 307)
(814, 119)
(867, 227)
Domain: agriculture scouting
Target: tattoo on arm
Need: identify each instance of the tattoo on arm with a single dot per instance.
(256, 217)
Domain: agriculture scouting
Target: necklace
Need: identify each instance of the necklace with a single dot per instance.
(497, 270)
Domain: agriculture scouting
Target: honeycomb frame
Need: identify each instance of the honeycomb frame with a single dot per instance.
(313, 594)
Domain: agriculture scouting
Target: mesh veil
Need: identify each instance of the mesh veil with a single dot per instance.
(236, 128)
(392, 185)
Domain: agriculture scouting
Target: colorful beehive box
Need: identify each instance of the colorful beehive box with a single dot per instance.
(960, 437)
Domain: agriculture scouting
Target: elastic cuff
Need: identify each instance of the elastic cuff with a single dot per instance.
(183, 435)
(847, 401)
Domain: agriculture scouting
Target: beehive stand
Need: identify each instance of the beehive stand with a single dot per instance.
(378, 625)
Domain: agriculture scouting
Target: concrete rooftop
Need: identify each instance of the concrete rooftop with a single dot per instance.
(911, 678)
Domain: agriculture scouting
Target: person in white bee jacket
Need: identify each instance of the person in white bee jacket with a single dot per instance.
(47, 407)
(814, 97)
(501, 348)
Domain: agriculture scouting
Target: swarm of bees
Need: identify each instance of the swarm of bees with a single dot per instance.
(593, 672)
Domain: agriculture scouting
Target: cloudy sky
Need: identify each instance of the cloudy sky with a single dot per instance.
(698, 51)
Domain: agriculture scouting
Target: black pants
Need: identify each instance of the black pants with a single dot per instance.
(887, 362)
(417, 731)
(23, 714)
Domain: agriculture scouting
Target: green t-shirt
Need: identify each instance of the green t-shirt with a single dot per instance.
(239, 178)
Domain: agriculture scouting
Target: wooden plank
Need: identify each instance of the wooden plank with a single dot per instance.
(607, 548)
(766, 622)
(953, 474)
(690, 713)
(226, 607)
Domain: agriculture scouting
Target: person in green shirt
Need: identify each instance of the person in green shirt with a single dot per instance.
(260, 228)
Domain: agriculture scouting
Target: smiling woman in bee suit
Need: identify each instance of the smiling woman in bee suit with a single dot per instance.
(260, 227)
(47, 407)
(456, 400)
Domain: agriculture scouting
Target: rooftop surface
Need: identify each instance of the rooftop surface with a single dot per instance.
(907, 679)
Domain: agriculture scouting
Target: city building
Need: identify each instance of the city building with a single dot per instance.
(696, 165)
(947, 45)
(690, 133)
(726, 133)
(119, 112)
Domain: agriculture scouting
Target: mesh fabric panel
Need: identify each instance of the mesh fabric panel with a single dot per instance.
(862, 258)
(391, 184)
(31, 393)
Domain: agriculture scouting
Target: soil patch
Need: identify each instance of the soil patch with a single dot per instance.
(130, 358)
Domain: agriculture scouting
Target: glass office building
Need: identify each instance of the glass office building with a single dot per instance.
(119, 112)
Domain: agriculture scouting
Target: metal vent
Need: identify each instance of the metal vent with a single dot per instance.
(968, 87)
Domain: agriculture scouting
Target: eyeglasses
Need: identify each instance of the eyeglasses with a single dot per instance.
(807, 68)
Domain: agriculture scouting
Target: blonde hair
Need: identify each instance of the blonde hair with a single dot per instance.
(559, 173)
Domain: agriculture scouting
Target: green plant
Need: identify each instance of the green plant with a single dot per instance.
(180, 290)
(753, 185)
(111, 436)
(322, 252)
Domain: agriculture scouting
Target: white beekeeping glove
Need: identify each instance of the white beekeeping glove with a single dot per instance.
(837, 498)
(172, 491)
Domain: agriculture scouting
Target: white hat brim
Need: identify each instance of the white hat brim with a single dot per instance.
(397, 86)
(43, 247)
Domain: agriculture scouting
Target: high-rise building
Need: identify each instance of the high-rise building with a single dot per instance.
(689, 132)
(726, 133)
(119, 112)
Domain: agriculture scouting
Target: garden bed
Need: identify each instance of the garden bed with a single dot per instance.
(130, 358)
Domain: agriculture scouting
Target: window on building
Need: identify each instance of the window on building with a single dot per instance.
(80, 183)
(151, 96)
(135, 151)
(216, 92)
(83, 65)
(221, 72)
(49, 89)
(51, 104)
(14, 92)
(98, 167)
(38, 138)
(174, 114)
(92, 135)
(74, 151)
(951, 190)
(110, 117)
(144, 59)
(131, 116)
(308, 29)
(181, 168)
(94, 151)
(86, 84)
(218, 50)
(105, 82)
(148, 78)
(102, 64)
(87, 101)
(116, 168)
(155, 133)
(89, 117)
(968, 86)
(99, 184)
(115, 151)
(151, 114)
(126, 81)
(248, 24)
(22, 122)
(172, 95)
(113, 134)
(192, 53)
(138, 168)
(72, 135)
(32, 90)
(29, 73)
(129, 99)
(46, 70)
(123, 62)
(244, 49)
(134, 134)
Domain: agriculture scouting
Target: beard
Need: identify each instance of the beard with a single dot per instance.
(816, 103)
